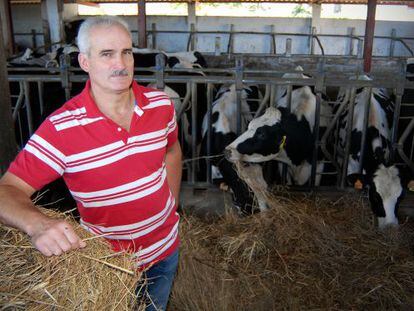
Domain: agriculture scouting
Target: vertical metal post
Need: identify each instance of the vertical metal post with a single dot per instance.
(154, 35)
(34, 43)
(159, 67)
(45, 26)
(217, 46)
(392, 43)
(288, 51)
(209, 111)
(312, 41)
(239, 89)
(348, 137)
(28, 107)
(142, 25)
(272, 40)
(193, 37)
(193, 129)
(318, 90)
(397, 108)
(230, 44)
(369, 35)
(351, 34)
(40, 92)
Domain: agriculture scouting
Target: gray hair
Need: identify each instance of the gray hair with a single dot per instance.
(82, 40)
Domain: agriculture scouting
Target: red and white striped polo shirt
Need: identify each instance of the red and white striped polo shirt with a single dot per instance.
(118, 178)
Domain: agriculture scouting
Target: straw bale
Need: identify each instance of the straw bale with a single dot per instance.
(306, 252)
(93, 278)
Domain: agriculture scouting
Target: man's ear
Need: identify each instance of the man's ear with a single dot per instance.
(83, 62)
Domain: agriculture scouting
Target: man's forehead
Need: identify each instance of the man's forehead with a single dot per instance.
(115, 37)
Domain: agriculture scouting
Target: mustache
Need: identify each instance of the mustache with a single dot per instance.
(120, 73)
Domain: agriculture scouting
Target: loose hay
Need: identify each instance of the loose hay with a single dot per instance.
(304, 253)
(93, 278)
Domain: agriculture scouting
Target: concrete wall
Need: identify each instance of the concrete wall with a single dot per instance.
(27, 17)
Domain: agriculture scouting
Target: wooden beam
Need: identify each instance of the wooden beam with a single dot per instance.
(45, 26)
(8, 148)
(142, 25)
(369, 35)
(9, 28)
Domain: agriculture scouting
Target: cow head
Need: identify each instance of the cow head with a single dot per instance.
(264, 140)
(385, 193)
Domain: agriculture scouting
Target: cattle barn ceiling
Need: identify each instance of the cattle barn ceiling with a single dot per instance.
(390, 2)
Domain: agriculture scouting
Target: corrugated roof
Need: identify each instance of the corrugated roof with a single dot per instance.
(394, 2)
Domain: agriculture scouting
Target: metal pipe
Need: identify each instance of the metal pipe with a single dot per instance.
(28, 107)
(369, 35)
(264, 101)
(348, 137)
(364, 131)
(193, 129)
(209, 111)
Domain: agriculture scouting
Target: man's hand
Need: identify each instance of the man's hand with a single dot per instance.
(55, 237)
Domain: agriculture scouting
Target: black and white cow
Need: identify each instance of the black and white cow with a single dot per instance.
(284, 135)
(223, 132)
(384, 180)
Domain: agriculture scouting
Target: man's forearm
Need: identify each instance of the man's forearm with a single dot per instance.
(174, 169)
(17, 210)
(50, 236)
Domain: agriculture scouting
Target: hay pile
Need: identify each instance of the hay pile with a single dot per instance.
(93, 278)
(304, 253)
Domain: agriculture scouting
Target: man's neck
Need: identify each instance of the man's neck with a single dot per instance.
(116, 106)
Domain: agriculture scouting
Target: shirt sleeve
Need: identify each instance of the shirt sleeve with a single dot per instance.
(172, 134)
(41, 161)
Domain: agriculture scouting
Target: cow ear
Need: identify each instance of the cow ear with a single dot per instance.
(83, 62)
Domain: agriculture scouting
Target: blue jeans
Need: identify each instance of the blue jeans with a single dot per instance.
(159, 279)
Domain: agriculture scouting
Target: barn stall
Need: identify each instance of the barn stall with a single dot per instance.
(328, 73)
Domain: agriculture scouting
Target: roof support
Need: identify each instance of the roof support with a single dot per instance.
(55, 20)
(8, 148)
(142, 25)
(192, 22)
(45, 26)
(7, 25)
(369, 35)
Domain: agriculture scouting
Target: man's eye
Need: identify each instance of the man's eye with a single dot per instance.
(128, 52)
(106, 54)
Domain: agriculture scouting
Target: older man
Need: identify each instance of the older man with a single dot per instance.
(115, 144)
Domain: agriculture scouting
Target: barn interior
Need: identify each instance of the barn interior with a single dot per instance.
(244, 51)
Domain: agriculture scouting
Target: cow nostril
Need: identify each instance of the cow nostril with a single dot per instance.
(227, 153)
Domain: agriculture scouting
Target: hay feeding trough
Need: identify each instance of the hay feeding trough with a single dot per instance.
(304, 253)
(93, 278)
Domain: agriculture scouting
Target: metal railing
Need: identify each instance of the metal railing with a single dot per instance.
(323, 76)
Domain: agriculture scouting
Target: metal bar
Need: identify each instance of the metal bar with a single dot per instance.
(28, 107)
(19, 101)
(159, 74)
(239, 89)
(288, 51)
(193, 129)
(154, 35)
(392, 43)
(142, 24)
(40, 94)
(400, 145)
(351, 41)
(369, 35)
(230, 43)
(348, 137)
(311, 42)
(209, 111)
(264, 101)
(193, 37)
(272, 40)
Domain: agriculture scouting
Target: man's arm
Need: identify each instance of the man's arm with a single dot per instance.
(49, 236)
(174, 169)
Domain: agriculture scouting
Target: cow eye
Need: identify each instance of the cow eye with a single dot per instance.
(260, 134)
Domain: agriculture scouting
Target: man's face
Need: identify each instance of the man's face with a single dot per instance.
(109, 63)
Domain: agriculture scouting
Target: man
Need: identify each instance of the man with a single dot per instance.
(115, 144)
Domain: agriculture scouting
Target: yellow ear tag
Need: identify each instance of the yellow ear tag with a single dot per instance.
(282, 144)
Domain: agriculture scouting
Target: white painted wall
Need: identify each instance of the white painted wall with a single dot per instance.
(26, 17)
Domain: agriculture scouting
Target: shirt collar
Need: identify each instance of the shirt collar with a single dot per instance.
(93, 110)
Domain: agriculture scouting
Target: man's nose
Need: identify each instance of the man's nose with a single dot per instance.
(120, 62)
